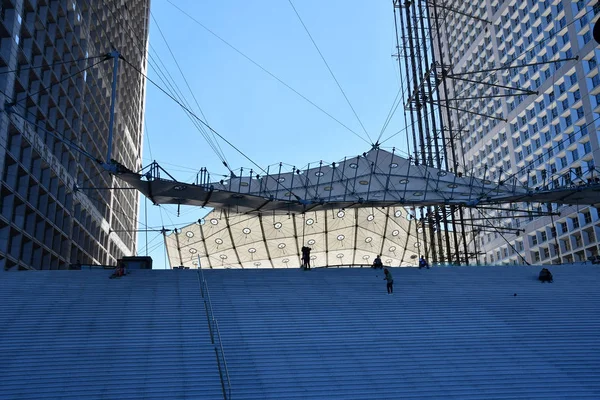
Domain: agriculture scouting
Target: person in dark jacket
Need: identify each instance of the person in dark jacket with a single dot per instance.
(377, 262)
(306, 257)
(545, 275)
(390, 281)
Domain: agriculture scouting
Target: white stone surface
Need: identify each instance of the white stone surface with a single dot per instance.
(446, 333)
(80, 335)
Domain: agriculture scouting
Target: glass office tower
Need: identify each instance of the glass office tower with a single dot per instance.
(57, 204)
(546, 132)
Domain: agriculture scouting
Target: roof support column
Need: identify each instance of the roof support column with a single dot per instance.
(262, 230)
(205, 250)
(232, 241)
(355, 236)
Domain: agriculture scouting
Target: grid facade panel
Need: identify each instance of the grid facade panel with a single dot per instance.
(547, 129)
(54, 76)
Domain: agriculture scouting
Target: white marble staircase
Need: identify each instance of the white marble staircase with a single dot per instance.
(80, 335)
(445, 333)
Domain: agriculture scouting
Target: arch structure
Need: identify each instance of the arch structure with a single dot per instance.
(377, 178)
(336, 238)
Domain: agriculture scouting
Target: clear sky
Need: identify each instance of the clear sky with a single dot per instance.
(259, 115)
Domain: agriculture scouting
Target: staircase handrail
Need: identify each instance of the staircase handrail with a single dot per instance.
(215, 336)
(224, 361)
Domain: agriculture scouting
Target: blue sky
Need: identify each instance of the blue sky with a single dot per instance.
(263, 118)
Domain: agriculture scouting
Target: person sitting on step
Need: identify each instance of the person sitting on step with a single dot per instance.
(377, 262)
(545, 275)
(119, 271)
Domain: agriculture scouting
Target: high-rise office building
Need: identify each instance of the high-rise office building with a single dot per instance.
(57, 204)
(544, 130)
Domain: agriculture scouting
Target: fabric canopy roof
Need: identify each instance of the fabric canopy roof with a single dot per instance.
(376, 178)
(342, 237)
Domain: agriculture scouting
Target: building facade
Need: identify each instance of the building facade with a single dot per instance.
(57, 204)
(545, 133)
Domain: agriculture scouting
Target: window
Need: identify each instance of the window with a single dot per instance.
(587, 217)
(583, 130)
(587, 37)
(569, 52)
(568, 120)
(575, 222)
(573, 78)
(544, 236)
(533, 180)
(534, 240)
(575, 155)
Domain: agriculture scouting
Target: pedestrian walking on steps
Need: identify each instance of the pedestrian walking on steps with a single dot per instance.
(390, 281)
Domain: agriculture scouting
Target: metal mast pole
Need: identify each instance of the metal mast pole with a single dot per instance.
(115, 55)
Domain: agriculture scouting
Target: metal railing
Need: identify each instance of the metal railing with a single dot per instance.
(215, 336)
